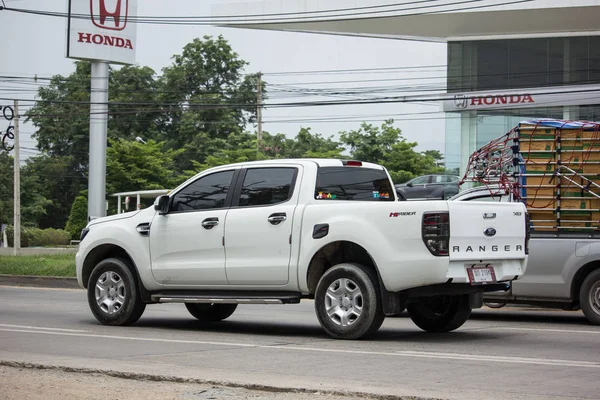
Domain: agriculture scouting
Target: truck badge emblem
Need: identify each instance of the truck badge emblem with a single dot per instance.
(489, 232)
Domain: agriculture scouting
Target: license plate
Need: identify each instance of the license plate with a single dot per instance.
(481, 275)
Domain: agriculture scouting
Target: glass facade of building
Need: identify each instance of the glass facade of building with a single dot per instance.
(523, 63)
(496, 65)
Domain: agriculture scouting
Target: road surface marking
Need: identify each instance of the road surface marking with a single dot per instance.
(40, 288)
(134, 338)
(406, 354)
(42, 328)
(508, 328)
(456, 356)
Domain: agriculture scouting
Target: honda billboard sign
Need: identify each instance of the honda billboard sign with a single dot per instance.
(102, 30)
(523, 98)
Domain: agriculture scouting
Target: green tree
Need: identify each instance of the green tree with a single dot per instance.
(61, 118)
(33, 203)
(205, 96)
(371, 143)
(437, 156)
(135, 166)
(134, 108)
(242, 147)
(307, 144)
(58, 181)
(6, 188)
(78, 217)
(385, 145)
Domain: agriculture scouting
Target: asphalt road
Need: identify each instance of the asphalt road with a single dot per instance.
(497, 354)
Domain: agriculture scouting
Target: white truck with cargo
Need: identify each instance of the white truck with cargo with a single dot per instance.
(279, 231)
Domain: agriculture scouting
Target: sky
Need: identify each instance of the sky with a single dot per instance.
(34, 44)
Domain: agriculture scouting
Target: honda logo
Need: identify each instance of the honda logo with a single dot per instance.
(109, 14)
(460, 101)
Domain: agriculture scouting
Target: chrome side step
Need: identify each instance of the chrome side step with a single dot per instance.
(226, 297)
(216, 301)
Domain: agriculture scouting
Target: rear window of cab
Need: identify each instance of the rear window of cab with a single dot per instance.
(352, 183)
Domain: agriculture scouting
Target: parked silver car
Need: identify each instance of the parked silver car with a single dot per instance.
(563, 269)
(428, 187)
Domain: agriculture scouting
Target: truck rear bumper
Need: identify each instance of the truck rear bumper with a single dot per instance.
(504, 270)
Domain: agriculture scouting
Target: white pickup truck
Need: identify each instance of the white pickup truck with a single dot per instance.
(274, 232)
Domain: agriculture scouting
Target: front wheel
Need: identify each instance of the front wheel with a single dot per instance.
(589, 297)
(347, 302)
(440, 313)
(210, 312)
(113, 294)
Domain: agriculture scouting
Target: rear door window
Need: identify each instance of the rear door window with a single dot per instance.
(352, 183)
(267, 186)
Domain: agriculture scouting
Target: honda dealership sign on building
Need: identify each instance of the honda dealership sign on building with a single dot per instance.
(102, 30)
(524, 98)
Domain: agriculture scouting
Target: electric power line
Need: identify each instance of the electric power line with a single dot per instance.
(263, 18)
(229, 19)
(387, 99)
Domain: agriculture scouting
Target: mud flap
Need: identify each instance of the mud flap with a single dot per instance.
(476, 300)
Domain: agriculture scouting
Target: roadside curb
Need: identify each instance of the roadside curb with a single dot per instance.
(56, 282)
(175, 379)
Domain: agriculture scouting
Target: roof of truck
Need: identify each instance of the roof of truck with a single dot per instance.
(321, 162)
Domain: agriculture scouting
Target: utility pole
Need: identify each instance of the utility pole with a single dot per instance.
(17, 194)
(259, 109)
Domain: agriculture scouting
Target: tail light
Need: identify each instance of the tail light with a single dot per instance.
(436, 232)
(527, 231)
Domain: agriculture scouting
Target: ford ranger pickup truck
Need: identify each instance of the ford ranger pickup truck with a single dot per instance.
(279, 231)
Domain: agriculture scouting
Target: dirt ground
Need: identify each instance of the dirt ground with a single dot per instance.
(50, 384)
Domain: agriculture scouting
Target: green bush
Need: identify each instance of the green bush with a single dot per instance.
(10, 235)
(78, 217)
(35, 237)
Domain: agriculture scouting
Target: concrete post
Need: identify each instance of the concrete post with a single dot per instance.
(98, 138)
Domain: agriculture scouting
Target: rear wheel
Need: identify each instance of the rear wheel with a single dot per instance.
(347, 302)
(113, 294)
(210, 312)
(494, 304)
(440, 313)
(589, 297)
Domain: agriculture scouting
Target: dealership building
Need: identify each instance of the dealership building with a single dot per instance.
(508, 61)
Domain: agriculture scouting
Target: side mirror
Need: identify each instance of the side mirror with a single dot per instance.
(162, 205)
(409, 184)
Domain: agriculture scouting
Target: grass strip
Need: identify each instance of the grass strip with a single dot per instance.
(40, 265)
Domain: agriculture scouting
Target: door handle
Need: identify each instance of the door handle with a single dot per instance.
(277, 218)
(210, 223)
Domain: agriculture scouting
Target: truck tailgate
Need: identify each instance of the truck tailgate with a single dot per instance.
(482, 231)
